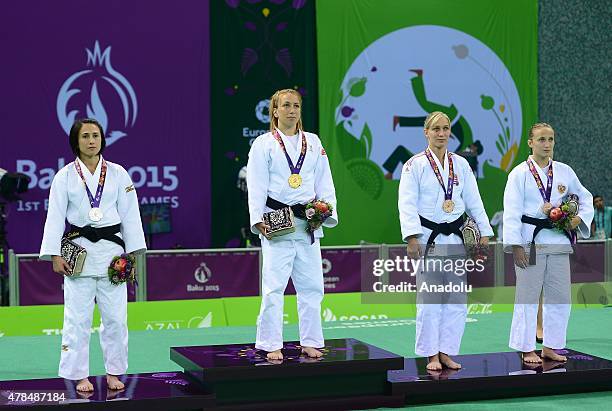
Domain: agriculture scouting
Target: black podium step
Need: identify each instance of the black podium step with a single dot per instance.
(500, 375)
(240, 374)
(151, 391)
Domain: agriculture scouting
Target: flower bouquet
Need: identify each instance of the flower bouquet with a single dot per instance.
(317, 212)
(471, 240)
(121, 269)
(561, 216)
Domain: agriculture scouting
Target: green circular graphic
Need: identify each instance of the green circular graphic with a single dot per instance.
(367, 175)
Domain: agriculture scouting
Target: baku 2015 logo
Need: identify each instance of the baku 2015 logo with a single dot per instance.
(105, 91)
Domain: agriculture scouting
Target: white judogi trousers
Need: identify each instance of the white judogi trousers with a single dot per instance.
(301, 261)
(440, 317)
(551, 276)
(79, 294)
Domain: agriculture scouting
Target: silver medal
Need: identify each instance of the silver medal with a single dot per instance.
(95, 214)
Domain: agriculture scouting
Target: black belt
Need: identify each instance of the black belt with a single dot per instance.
(540, 224)
(299, 211)
(95, 234)
(453, 227)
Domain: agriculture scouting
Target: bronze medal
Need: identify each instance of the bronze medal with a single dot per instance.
(448, 206)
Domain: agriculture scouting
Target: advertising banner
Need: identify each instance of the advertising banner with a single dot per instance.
(202, 275)
(385, 65)
(260, 47)
(147, 84)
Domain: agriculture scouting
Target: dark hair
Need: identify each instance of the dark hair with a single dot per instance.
(597, 196)
(76, 129)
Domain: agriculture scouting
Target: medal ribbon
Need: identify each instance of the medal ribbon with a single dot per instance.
(448, 193)
(94, 201)
(538, 180)
(294, 169)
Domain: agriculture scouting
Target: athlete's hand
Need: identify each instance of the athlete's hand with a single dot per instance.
(520, 258)
(414, 248)
(60, 266)
(263, 229)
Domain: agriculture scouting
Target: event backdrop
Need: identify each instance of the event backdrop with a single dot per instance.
(383, 65)
(370, 71)
(258, 47)
(142, 70)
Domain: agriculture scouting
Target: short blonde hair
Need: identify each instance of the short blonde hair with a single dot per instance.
(539, 125)
(433, 117)
(274, 105)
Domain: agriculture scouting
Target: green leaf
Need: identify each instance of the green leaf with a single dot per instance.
(487, 102)
(499, 148)
(503, 142)
(358, 88)
(366, 135)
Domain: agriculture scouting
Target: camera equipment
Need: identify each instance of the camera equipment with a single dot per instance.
(11, 184)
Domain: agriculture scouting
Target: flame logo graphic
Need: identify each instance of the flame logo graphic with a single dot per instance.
(202, 274)
(94, 108)
(201, 322)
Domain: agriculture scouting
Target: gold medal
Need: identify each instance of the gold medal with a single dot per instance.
(546, 208)
(295, 180)
(448, 206)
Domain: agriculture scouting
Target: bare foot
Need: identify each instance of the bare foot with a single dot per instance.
(434, 363)
(550, 354)
(113, 382)
(84, 385)
(448, 362)
(275, 355)
(531, 357)
(312, 352)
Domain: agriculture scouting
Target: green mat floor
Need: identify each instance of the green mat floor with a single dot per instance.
(590, 331)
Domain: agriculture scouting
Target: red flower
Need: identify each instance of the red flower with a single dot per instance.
(120, 264)
(321, 207)
(555, 214)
